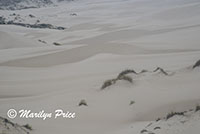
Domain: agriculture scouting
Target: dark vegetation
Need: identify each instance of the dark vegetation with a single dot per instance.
(57, 44)
(73, 14)
(27, 126)
(41, 25)
(110, 82)
(197, 108)
(197, 64)
(32, 16)
(170, 115)
(10, 126)
(143, 131)
(132, 102)
(124, 76)
(83, 103)
(157, 128)
(42, 41)
(161, 70)
(21, 4)
(125, 72)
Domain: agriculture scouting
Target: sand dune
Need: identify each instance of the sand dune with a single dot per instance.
(105, 38)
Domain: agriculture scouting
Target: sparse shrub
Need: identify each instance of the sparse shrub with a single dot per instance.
(143, 131)
(164, 72)
(158, 68)
(73, 14)
(27, 126)
(126, 78)
(108, 83)
(32, 16)
(57, 44)
(197, 64)
(125, 72)
(121, 76)
(132, 102)
(42, 41)
(8, 121)
(169, 115)
(82, 102)
(197, 108)
(157, 119)
(157, 128)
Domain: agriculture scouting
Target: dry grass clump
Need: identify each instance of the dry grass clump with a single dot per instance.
(57, 44)
(121, 76)
(157, 128)
(8, 125)
(169, 115)
(132, 102)
(197, 108)
(143, 131)
(73, 14)
(27, 126)
(108, 83)
(161, 70)
(197, 64)
(125, 72)
(42, 41)
(126, 78)
(83, 103)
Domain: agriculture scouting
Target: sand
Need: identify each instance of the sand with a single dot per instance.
(105, 38)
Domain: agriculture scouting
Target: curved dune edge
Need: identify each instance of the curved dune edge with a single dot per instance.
(82, 53)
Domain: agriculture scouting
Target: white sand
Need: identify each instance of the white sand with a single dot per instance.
(107, 37)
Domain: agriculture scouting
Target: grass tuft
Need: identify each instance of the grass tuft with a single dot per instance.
(82, 103)
(197, 108)
(143, 131)
(121, 76)
(125, 72)
(197, 64)
(126, 78)
(57, 44)
(132, 102)
(108, 83)
(27, 126)
(161, 70)
(170, 115)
